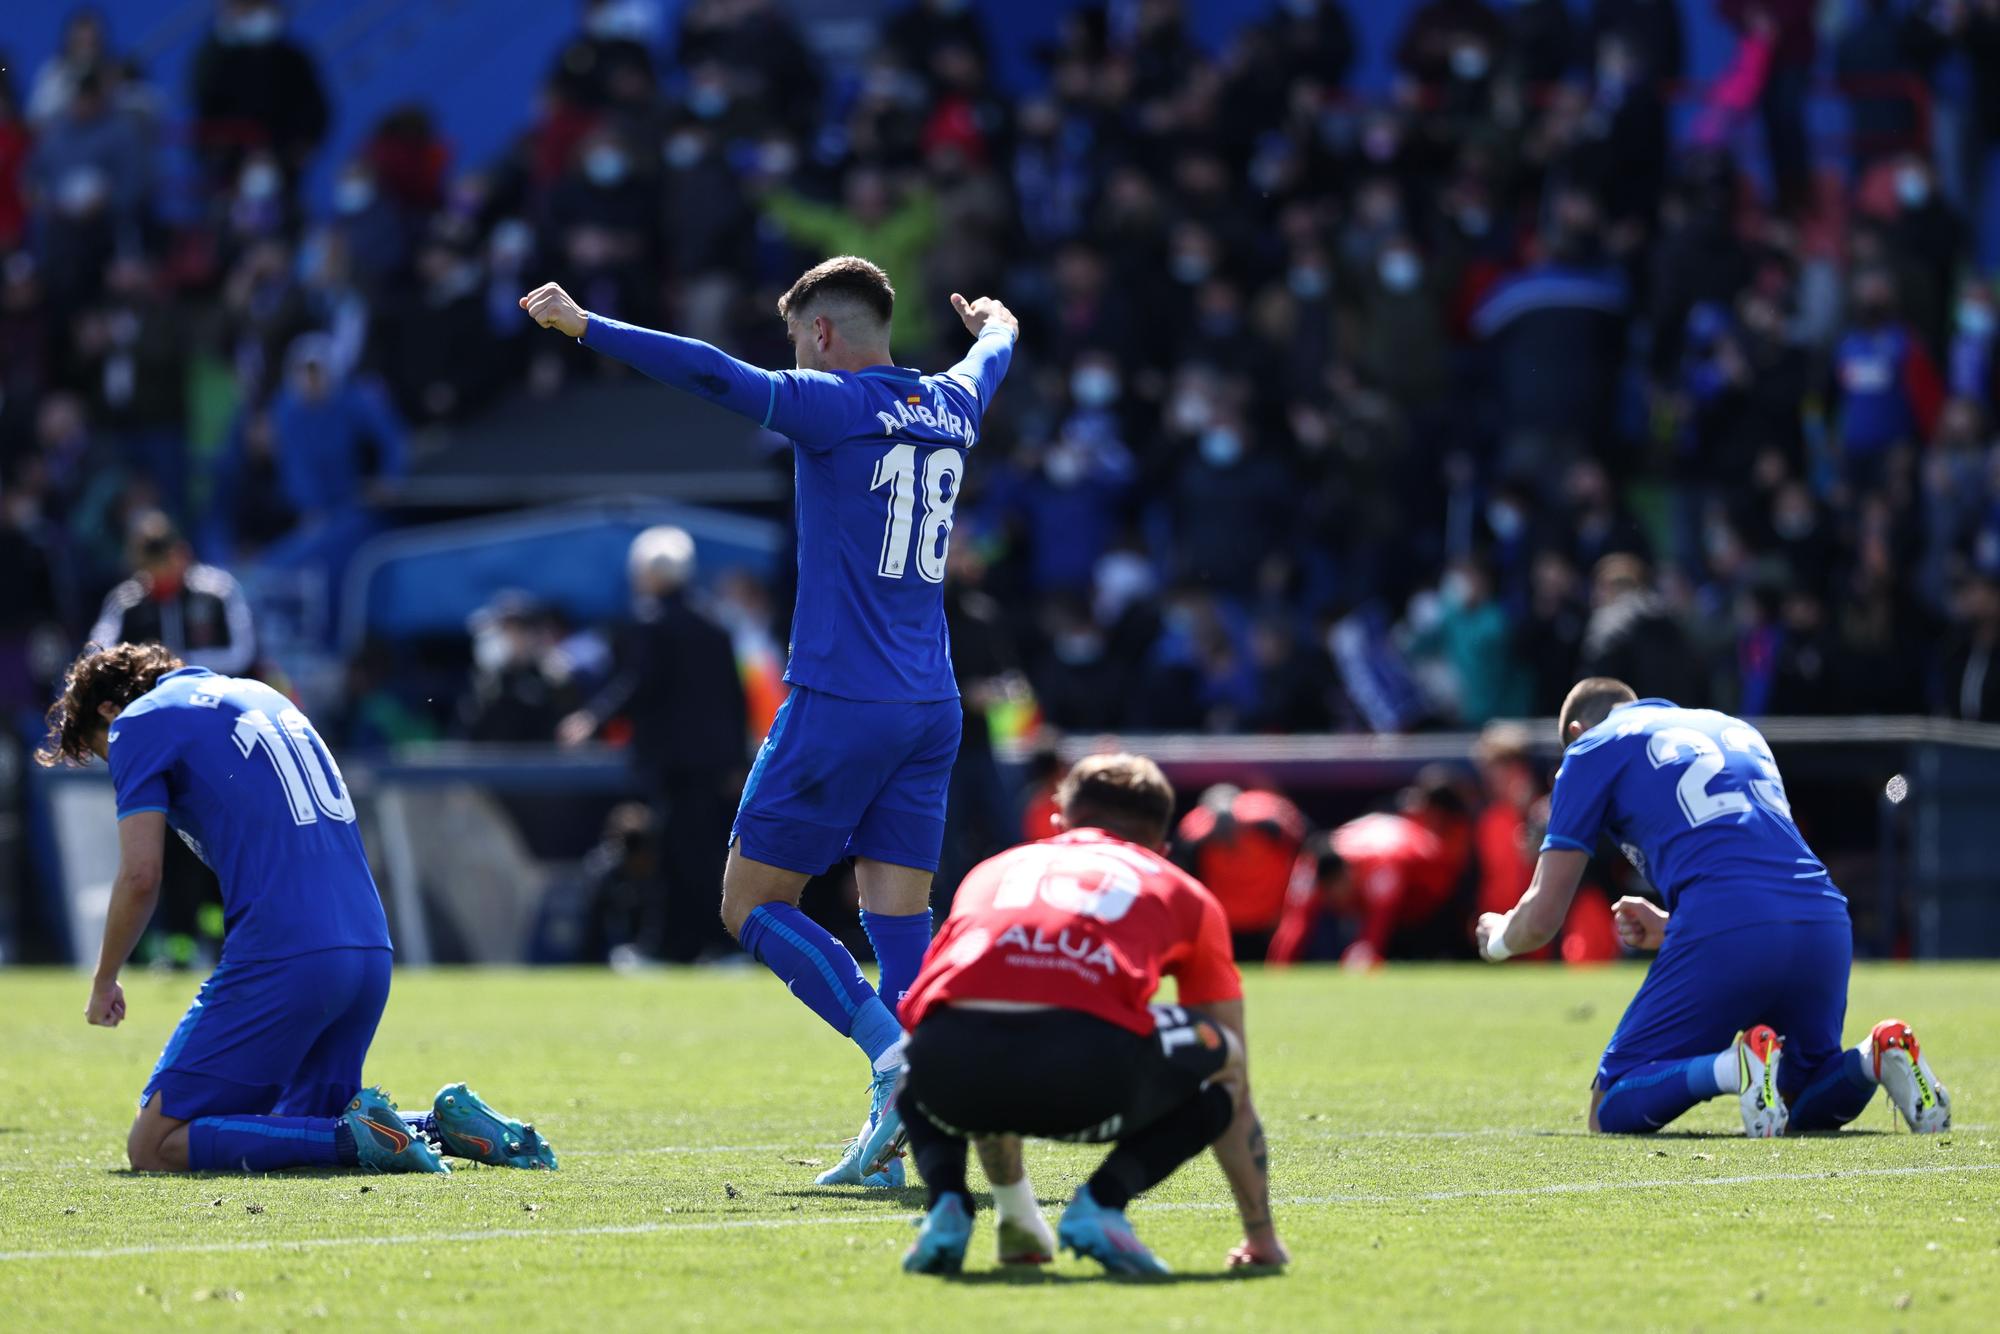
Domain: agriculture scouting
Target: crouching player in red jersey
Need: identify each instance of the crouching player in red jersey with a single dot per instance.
(1031, 1017)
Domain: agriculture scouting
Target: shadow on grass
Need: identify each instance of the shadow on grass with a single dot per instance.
(1028, 1276)
(357, 1174)
(1724, 1136)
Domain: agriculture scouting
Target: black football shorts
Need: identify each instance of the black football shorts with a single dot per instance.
(1056, 1074)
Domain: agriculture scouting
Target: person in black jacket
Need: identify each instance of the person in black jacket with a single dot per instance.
(196, 610)
(1632, 630)
(252, 84)
(676, 682)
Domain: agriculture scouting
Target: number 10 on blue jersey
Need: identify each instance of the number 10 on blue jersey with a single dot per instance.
(897, 470)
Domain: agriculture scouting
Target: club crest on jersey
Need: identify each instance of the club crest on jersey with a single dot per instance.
(1086, 950)
(913, 411)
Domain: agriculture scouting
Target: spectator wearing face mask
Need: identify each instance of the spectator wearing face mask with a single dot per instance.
(1400, 338)
(1470, 636)
(520, 687)
(196, 610)
(1554, 332)
(251, 86)
(1067, 506)
(1451, 40)
(88, 175)
(1886, 389)
(1234, 505)
(604, 218)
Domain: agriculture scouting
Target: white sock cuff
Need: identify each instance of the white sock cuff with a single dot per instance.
(892, 1055)
(1728, 1071)
(1016, 1203)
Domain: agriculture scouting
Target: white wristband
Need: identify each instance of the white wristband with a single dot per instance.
(1495, 949)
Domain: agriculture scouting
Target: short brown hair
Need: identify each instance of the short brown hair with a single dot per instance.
(1591, 701)
(116, 675)
(1126, 795)
(848, 276)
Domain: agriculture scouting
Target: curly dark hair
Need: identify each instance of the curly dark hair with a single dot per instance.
(116, 675)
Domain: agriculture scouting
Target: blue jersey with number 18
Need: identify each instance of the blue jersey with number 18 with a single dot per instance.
(246, 782)
(1694, 799)
(879, 456)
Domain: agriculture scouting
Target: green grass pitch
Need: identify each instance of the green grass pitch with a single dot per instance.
(1428, 1160)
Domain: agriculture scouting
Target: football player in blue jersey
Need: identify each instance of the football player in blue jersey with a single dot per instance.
(859, 757)
(264, 1072)
(1749, 990)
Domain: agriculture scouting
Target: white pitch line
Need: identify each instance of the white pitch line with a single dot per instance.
(903, 1219)
(1306, 1138)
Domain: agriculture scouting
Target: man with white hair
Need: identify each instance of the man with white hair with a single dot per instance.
(676, 682)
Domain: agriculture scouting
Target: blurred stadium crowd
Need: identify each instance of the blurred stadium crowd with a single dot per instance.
(1332, 412)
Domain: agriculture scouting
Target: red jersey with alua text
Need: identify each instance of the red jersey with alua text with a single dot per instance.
(1082, 921)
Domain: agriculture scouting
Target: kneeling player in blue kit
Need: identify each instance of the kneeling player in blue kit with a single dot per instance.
(1755, 945)
(265, 1070)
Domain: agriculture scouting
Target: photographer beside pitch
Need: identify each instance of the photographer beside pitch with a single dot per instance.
(1030, 1017)
(1749, 990)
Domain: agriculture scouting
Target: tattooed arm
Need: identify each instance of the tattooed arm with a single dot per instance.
(1245, 1158)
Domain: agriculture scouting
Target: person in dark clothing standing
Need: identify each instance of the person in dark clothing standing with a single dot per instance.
(676, 682)
(196, 610)
(250, 79)
(1632, 630)
(981, 818)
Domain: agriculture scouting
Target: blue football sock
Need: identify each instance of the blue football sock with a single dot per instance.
(1649, 1096)
(899, 944)
(1837, 1096)
(820, 972)
(263, 1143)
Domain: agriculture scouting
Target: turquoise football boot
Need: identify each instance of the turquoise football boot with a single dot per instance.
(942, 1236)
(468, 1128)
(857, 1165)
(383, 1141)
(1104, 1235)
(883, 1144)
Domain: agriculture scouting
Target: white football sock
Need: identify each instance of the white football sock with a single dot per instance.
(1728, 1071)
(1016, 1204)
(1867, 1049)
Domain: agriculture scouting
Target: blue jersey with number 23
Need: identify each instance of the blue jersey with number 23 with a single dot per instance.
(244, 779)
(1694, 799)
(879, 457)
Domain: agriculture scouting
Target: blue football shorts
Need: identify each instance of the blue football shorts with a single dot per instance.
(283, 1037)
(1701, 992)
(849, 778)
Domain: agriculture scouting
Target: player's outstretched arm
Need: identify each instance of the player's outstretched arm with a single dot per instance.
(1242, 1154)
(142, 839)
(994, 331)
(684, 363)
(1534, 921)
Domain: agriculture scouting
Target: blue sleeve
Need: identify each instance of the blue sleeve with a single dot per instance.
(142, 752)
(1581, 794)
(809, 407)
(985, 366)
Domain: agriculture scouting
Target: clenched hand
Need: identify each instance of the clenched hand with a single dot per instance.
(553, 308)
